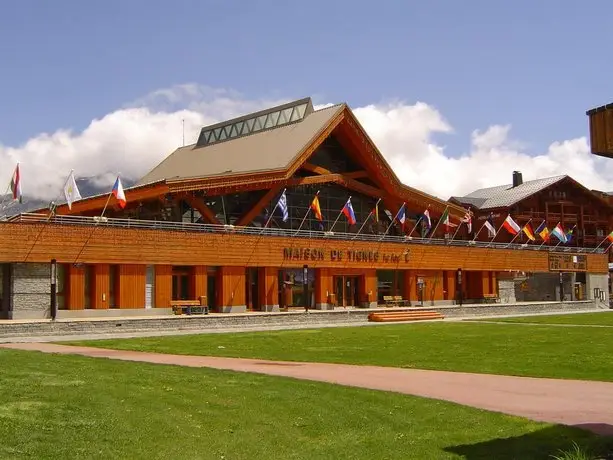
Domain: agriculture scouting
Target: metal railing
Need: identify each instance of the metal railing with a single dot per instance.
(306, 234)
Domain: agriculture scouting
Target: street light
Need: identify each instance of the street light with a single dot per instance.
(305, 286)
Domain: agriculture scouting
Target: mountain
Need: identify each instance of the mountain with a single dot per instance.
(87, 188)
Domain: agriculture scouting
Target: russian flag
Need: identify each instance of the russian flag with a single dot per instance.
(118, 193)
(348, 211)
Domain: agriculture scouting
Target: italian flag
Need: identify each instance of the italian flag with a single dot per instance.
(445, 219)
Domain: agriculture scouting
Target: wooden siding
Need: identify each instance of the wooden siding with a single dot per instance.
(100, 286)
(75, 287)
(268, 286)
(136, 246)
(231, 286)
(131, 286)
(601, 132)
(198, 286)
(163, 286)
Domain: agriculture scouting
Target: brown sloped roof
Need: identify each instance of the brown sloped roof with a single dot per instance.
(270, 150)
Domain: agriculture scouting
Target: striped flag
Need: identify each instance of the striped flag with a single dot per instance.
(282, 204)
(16, 185)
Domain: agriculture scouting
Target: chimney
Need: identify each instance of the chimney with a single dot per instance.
(517, 178)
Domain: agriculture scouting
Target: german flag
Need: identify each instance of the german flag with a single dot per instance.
(316, 209)
(529, 232)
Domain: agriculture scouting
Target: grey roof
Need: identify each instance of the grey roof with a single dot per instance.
(503, 196)
(272, 149)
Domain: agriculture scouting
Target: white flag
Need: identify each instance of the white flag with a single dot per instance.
(71, 191)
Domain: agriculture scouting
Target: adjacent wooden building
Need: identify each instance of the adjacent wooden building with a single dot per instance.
(204, 224)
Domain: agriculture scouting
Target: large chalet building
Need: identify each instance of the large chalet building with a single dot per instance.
(286, 207)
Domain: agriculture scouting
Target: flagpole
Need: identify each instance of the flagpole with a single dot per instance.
(366, 220)
(340, 213)
(8, 187)
(480, 228)
(416, 224)
(456, 232)
(394, 220)
(437, 223)
(600, 244)
(518, 233)
(273, 210)
(307, 213)
(496, 234)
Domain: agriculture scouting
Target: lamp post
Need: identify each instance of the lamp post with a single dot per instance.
(305, 286)
(459, 278)
(561, 287)
(53, 289)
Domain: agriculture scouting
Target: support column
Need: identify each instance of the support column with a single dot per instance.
(163, 286)
(410, 287)
(323, 289)
(367, 289)
(231, 289)
(100, 286)
(75, 289)
(131, 286)
(198, 284)
(268, 288)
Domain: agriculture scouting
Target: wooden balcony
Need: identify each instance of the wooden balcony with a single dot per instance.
(601, 130)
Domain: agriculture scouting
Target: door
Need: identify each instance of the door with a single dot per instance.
(346, 291)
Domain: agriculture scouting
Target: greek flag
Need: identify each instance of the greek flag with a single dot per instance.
(282, 204)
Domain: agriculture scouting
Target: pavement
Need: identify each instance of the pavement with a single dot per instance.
(586, 404)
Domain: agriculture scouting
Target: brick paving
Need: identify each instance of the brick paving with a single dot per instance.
(571, 402)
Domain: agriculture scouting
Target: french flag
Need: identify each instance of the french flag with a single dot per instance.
(348, 211)
(118, 193)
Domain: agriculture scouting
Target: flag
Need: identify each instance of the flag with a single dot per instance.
(316, 209)
(540, 228)
(529, 232)
(426, 219)
(446, 220)
(71, 191)
(511, 226)
(467, 219)
(118, 193)
(401, 215)
(348, 211)
(558, 232)
(375, 212)
(16, 185)
(282, 205)
(545, 234)
(610, 237)
(569, 235)
(489, 224)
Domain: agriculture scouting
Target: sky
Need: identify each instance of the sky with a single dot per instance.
(456, 95)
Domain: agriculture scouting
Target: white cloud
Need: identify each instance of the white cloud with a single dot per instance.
(135, 138)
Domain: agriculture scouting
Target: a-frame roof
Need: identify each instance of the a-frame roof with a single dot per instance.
(505, 196)
(269, 157)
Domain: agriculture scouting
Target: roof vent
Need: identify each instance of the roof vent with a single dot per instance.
(517, 178)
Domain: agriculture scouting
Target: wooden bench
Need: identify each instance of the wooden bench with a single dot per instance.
(394, 301)
(490, 298)
(189, 307)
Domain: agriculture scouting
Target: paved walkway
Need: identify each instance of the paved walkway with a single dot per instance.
(570, 402)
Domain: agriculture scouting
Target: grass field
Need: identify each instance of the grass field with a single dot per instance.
(511, 349)
(604, 318)
(59, 407)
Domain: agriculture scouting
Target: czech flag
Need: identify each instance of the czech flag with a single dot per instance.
(118, 193)
(348, 211)
(316, 209)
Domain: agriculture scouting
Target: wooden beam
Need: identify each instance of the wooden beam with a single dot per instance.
(315, 169)
(356, 174)
(246, 218)
(200, 206)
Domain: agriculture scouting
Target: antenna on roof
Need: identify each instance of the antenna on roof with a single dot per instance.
(183, 126)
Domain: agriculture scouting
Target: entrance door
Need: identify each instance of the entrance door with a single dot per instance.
(346, 290)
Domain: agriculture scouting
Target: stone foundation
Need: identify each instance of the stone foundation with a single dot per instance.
(31, 286)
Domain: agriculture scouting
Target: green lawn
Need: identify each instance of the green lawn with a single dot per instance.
(539, 351)
(604, 318)
(61, 407)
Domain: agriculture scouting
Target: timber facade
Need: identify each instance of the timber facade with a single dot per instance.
(205, 225)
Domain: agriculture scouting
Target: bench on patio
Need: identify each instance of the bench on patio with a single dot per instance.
(394, 301)
(490, 298)
(189, 307)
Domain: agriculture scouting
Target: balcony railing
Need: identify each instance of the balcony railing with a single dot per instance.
(240, 230)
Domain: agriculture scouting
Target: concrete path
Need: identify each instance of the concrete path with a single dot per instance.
(570, 402)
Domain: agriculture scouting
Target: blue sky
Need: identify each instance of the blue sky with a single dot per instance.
(537, 66)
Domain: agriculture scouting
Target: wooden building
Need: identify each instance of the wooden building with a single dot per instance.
(553, 200)
(601, 130)
(204, 224)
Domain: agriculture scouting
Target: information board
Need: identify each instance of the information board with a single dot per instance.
(567, 262)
